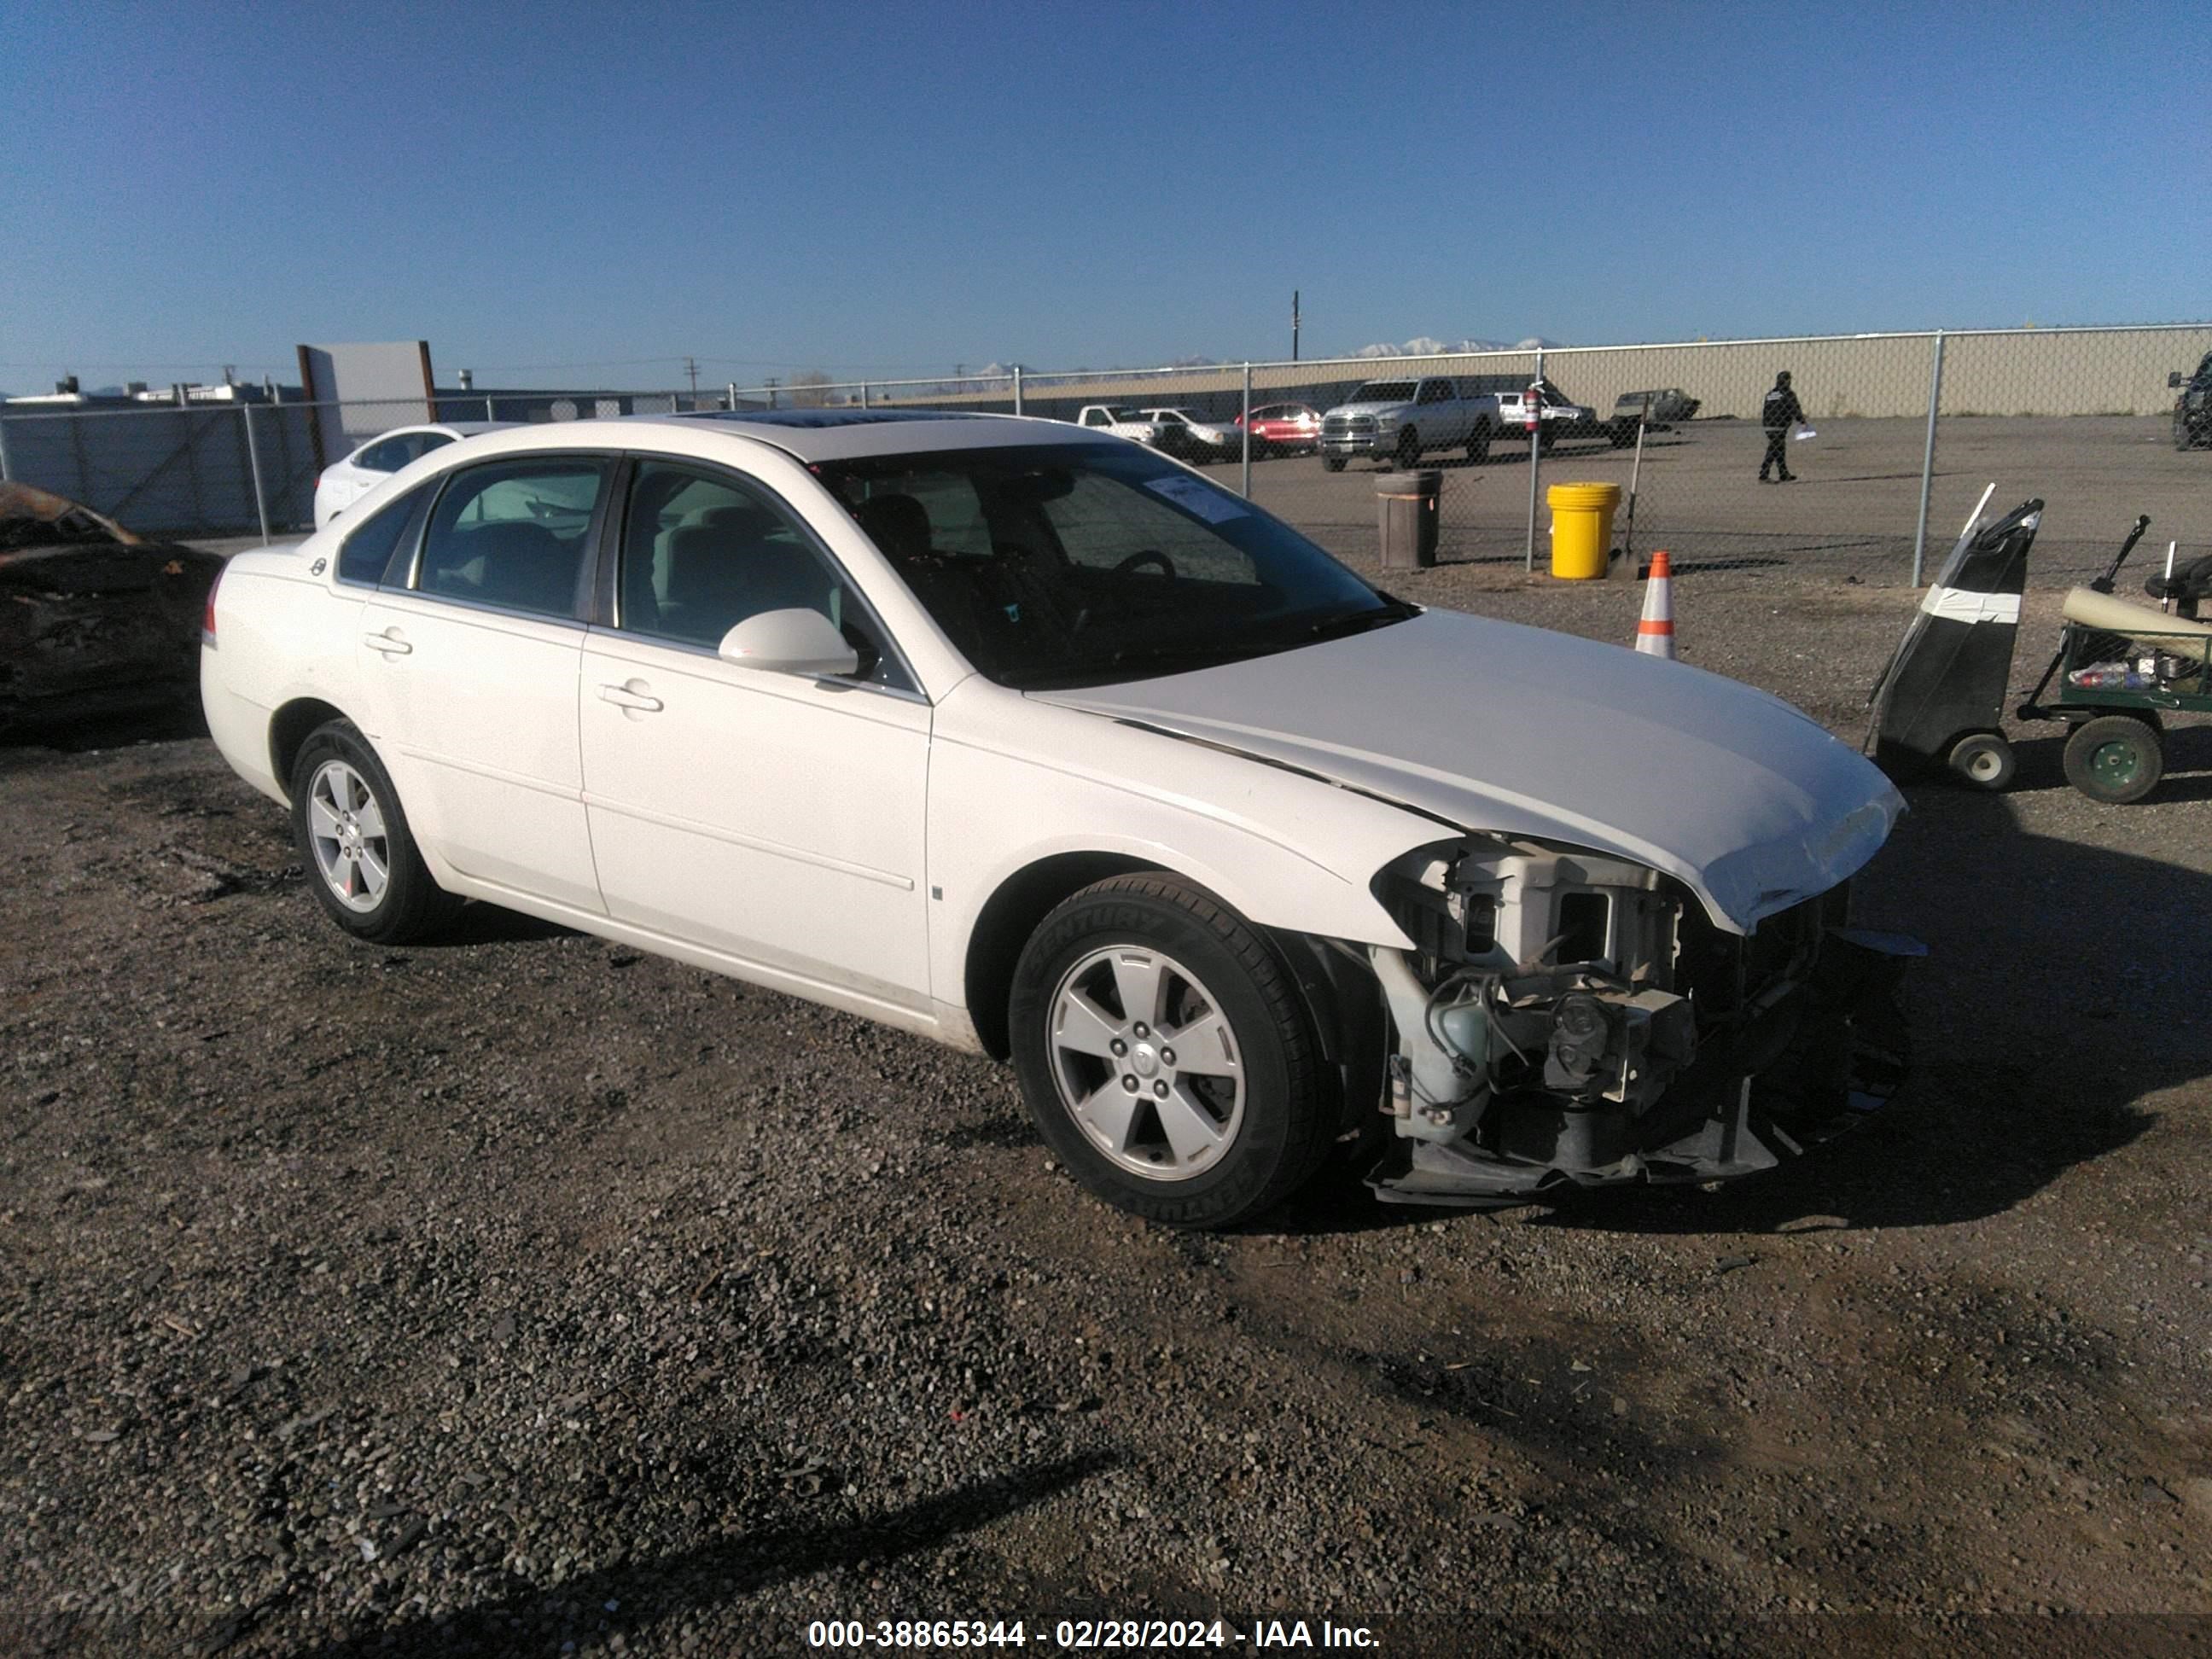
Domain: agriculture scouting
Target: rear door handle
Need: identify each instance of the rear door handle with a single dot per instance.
(623, 697)
(389, 643)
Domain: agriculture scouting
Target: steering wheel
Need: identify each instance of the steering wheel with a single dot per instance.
(1149, 555)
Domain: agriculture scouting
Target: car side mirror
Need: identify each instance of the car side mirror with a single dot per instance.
(2172, 379)
(795, 641)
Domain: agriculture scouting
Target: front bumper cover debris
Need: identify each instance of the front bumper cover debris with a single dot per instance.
(1843, 1054)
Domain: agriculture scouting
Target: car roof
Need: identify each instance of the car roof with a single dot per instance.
(840, 435)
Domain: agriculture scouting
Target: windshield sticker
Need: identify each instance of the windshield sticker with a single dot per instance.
(1197, 497)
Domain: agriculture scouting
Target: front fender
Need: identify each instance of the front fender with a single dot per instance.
(1014, 781)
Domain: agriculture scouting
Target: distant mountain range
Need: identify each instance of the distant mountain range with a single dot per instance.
(1423, 346)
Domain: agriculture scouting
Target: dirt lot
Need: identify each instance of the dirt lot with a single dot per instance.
(521, 1292)
(1852, 509)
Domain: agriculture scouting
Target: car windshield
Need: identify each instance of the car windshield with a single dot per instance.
(1085, 564)
(1385, 392)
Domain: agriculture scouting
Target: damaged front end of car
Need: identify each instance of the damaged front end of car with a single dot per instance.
(1573, 1019)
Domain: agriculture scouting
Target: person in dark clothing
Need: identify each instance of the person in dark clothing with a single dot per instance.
(1778, 414)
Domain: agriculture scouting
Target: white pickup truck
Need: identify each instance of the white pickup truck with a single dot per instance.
(1131, 423)
(1396, 422)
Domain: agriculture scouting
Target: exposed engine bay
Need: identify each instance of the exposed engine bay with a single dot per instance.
(1572, 1017)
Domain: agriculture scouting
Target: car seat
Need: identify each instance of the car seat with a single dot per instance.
(741, 564)
(510, 561)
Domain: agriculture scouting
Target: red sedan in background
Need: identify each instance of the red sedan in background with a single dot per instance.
(1284, 429)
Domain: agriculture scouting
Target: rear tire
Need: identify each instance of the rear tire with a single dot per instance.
(1478, 444)
(355, 842)
(2115, 758)
(1984, 760)
(1213, 1135)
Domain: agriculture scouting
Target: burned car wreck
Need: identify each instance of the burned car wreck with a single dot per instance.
(94, 619)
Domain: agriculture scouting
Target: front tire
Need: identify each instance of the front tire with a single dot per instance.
(1166, 1056)
(1331, 463)
(354, 844)
(1409, 449)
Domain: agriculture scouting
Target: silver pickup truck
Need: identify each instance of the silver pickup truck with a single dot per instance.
(1399, 420)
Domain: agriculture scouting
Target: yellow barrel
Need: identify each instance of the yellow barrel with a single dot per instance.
(1582, 528)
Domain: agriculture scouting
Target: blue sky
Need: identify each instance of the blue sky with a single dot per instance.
(570, 193)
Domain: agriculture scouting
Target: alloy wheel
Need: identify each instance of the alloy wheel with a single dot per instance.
(1144, 1062)
(345, 826)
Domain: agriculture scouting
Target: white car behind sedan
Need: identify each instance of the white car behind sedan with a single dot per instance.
(345, 482)
(1033, 742)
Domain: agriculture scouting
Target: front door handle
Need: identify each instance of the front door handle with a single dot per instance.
(623, 697)
(389, 642)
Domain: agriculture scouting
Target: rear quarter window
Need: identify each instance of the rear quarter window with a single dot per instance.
(365, 553)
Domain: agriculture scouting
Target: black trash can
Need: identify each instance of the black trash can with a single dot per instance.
(1405, 505)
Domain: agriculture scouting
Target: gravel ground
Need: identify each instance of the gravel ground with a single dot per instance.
(522, 1292)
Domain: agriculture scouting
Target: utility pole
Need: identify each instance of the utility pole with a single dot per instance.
(771, 391)
(691, 367)
(1294, 324)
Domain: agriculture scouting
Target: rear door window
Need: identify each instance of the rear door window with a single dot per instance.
(512, 534)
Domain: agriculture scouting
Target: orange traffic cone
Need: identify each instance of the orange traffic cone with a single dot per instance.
(1655, 635)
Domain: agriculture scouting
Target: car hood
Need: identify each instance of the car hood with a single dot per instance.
(1490, 726)
(1368, 409)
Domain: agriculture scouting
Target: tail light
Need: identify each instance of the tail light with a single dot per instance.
(206, 621)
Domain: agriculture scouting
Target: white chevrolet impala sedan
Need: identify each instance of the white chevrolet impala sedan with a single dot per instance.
(1034, 741)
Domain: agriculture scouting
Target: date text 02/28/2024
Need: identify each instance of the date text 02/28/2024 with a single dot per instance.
(1085, 1635)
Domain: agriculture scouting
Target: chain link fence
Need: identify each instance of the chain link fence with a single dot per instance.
(1898, 436)
(1900, 433)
